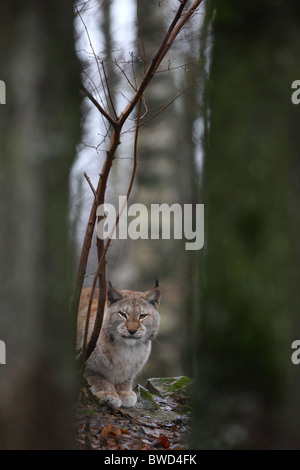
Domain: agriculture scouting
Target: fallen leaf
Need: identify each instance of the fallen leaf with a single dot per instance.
(124, 431)
(163, 441)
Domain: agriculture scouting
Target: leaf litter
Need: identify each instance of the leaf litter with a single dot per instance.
(165, 426)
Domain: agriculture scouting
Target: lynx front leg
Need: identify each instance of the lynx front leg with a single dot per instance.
(126, 394)
(103, 389)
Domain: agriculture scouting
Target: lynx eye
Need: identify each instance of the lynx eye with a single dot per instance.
(123, 314)
(142, 315)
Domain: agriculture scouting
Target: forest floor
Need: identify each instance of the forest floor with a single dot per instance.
(160, 420)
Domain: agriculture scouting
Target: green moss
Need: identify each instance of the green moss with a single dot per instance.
(145, 394)
(181, 384)
(90, 412)
(145, 399)
(167, 386)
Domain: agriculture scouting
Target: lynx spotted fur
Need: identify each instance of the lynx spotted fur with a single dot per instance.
(130, 323)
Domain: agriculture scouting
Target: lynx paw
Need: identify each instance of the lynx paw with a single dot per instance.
(128, 399)
(113, 400)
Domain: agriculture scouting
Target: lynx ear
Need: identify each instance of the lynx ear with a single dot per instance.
(153, 296)
(113, 295)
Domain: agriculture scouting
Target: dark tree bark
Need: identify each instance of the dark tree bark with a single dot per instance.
(247, 318)
(39, 129)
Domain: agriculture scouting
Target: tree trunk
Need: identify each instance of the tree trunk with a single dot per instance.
(39, 129)
(246, 319)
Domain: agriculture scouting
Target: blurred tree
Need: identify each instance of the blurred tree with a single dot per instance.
(166, 174)
(249, 269)
(188, 180)
(154, 182)
(39, 129)
(110, 74)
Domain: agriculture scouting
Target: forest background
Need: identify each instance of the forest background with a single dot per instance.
(230, 312)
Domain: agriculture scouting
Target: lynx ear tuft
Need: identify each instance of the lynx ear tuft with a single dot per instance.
(113, 295)
(153, 296)
(156, 283)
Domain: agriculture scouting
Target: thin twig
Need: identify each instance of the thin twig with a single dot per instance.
(133, 71)
(96, 60)
(125, 75)
(99, 107)
(92, 84)
(177, 67)
(176, 26)
(90, 184)
(169, 104)
(125, 98)
(108, 89)
(141, 34)
(95, 90)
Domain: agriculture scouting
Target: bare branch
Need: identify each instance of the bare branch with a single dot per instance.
(141, 34)
(125, 98)
(95, 91)
(90, 184)
(125, 75)
(108, 89)
(180, 67)
(101, 187)
(88, 349)
(99, 107)
(169, 104)
(95, 57)
(133, 71)
(177, 24)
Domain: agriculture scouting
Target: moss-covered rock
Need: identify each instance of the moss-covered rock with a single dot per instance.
(169, 386)
(145, 399)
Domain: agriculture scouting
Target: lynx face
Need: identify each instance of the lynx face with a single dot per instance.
(131, 317)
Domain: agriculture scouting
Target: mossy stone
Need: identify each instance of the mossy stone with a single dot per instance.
(145, 399)
(168, 386)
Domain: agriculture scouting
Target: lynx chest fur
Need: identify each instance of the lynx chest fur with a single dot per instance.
(130, 323)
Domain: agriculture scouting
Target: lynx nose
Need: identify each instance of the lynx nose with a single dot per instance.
(131, 331)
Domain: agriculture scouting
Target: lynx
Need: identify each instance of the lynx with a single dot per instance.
(130, 323)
